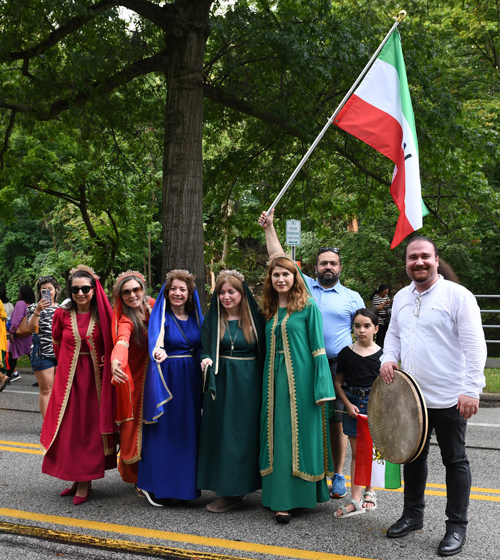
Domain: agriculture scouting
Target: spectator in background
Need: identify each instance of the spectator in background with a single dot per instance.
(43, 358)
(19, 337)
(381, 303)
(4, 380)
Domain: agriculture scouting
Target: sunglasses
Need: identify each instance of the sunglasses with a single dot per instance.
(45, 279)
(85, 289)
(326, 249)
(135, 291)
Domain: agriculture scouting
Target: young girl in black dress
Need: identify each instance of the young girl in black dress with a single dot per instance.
(357, 368)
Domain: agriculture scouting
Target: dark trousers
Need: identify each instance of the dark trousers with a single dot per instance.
(450, 433)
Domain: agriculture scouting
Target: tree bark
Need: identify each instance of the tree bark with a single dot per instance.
(182, 235)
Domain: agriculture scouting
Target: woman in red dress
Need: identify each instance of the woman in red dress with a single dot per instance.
(79, 425)
(129, 362)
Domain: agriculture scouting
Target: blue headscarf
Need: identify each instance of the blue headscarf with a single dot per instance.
(156, 391)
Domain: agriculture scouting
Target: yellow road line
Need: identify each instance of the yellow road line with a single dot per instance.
(19, 450)
(112, 545)
(20, 443)
(12, 447)
(113, 528)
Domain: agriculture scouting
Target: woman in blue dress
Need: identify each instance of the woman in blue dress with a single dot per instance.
(172, 394)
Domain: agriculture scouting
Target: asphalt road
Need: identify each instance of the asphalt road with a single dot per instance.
(115, 518)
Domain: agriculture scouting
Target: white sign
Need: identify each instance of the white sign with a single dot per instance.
(293, 232)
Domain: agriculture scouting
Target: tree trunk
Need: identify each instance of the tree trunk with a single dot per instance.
(182, 161)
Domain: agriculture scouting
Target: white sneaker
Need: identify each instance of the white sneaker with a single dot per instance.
(15, 376)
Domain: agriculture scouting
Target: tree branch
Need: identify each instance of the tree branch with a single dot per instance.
(219, 96)
(60, 33)
(8, 132)
(135, 70)
(66, 197)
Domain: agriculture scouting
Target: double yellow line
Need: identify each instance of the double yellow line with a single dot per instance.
(131, 531)
(483, 494)
(20, 447)
(477, 493)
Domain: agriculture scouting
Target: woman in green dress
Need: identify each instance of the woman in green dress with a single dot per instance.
(295, 456)
(232, 359)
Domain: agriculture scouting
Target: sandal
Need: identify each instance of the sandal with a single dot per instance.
(358, 510)
(370, 498)
(220, 505)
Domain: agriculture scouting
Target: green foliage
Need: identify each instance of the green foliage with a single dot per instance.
(492, 380)
(81, 175)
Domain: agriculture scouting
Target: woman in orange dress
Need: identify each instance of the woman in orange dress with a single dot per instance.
(129, 362)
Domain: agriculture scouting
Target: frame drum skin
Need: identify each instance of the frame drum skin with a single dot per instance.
(397, 418)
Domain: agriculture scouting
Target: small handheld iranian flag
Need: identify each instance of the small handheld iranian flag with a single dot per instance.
(379, 113)
(371, 468)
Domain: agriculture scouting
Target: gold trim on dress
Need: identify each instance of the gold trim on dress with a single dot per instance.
(270, 400)
(123, 343)
(72, 369)
(318, 352)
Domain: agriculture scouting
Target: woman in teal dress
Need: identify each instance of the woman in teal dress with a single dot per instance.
(295, 456)
(233, 350)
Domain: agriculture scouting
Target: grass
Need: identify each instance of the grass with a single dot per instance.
(492, 380)
(492, 376)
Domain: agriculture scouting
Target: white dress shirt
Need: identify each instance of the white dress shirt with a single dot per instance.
(438, 337)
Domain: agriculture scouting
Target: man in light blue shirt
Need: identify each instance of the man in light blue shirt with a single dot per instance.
(338, 305)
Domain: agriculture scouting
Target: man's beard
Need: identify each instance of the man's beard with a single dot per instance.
(328, 278)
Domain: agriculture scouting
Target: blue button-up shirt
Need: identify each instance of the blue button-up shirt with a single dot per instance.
(338, 305)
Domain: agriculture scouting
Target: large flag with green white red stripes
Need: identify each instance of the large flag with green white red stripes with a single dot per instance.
(379, 113)
(371, 468)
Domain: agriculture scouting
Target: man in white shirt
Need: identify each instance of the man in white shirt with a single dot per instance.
(436, 333)
(338, 306)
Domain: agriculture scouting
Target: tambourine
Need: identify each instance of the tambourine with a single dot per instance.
(397, 418)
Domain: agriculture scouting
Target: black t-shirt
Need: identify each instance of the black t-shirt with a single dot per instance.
(359, 371)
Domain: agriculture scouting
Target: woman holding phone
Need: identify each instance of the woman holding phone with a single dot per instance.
(42, 355)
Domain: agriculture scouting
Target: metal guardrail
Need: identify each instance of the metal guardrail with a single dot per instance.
(490, 311)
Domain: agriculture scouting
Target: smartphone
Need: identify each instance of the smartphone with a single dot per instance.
(46, 294)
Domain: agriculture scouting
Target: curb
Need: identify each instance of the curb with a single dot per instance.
(487, 399)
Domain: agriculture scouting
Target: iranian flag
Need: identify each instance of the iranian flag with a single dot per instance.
(371, 468)
(379, 113)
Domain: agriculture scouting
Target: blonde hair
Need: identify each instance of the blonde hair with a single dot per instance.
(298, 296)
(245, 321)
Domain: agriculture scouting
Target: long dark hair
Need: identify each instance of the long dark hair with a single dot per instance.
(26, 294)
(3, 295)
(379, 290)
(71, 305)
(367, 312)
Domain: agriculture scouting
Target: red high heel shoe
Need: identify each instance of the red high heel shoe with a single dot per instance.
(71, 491)
(78, 500)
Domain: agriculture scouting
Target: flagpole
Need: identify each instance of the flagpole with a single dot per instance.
(401, 15)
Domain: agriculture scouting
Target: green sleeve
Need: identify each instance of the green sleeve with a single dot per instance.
(323, 385)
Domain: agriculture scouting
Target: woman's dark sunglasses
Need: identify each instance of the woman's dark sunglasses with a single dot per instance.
(75, 289)
(135, 291)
